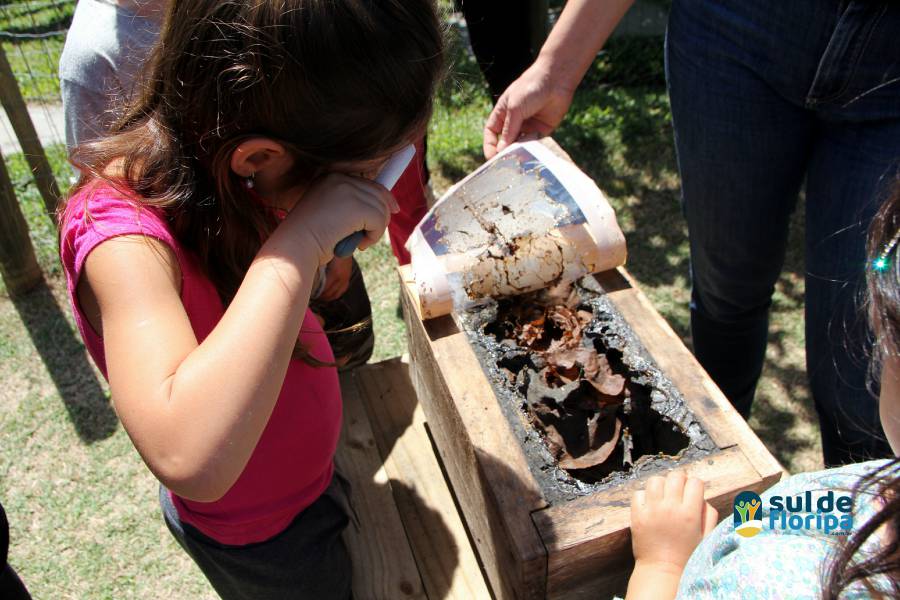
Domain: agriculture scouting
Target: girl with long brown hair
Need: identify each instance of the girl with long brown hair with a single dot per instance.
(191, 244)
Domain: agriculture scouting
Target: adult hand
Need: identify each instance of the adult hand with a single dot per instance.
(533, 103)
(538, 100)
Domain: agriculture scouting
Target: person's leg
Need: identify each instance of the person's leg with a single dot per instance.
(11, 587)
(855, 161)
(501, 36)
(742, 151)
(846, 182)
(307, 561)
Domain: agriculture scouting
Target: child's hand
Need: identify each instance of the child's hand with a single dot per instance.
(669, 518)
(338, 205)
(337, 278)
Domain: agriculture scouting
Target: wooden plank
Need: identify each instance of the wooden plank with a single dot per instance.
(383, 563)
(18, 265)
(588, 540)
(483, 459)
(446, 560)
(17, 111)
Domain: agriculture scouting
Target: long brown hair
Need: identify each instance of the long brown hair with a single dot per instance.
(334, 80)
(845, 567)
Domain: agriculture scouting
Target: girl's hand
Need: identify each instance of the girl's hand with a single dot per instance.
(337, 278)
(669, 518)
(336, 206)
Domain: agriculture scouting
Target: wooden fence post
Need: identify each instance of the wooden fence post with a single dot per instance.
(17, 110)
(18, 265)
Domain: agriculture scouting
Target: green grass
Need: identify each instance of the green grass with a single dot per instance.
(35, 61)
(30, 17)
(83, 513)
(82, 506)
(40, 226)
(35, 64)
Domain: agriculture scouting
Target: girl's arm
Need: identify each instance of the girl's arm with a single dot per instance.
(196, 411)
(539, 99)
(669, 518)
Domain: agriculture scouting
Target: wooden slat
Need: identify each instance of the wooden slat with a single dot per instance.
(18, 265)
(17, 111)
(483, 459)
(591, 535)
(585, 543)
(723, 423)
(440, 545)
(383, 563)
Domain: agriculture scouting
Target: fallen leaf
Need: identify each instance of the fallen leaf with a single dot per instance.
(532, 332)
(604, 436)
(604, 380)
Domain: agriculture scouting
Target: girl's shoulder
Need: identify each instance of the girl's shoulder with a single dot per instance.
(843, 478)
(101, 210)
(105, 209)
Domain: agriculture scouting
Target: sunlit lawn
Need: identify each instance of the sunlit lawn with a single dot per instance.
(83, 508)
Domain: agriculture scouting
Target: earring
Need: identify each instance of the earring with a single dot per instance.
(248, 182)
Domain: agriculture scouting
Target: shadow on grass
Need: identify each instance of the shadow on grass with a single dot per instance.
(780, 425)
(64, 357)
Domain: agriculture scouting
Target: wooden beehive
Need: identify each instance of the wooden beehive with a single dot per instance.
(580, 548)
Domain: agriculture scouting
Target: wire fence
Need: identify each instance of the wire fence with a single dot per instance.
(32, 33)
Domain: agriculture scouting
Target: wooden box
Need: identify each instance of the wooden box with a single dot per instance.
(580, 548)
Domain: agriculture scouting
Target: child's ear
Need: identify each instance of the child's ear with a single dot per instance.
(258, 154)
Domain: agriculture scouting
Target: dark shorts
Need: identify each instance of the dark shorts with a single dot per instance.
(308, 560)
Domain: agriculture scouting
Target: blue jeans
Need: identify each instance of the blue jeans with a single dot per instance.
(769, 95)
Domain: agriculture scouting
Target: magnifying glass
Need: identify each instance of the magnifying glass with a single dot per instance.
(388, 176)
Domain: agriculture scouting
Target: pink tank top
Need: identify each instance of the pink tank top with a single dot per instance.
(292, 463)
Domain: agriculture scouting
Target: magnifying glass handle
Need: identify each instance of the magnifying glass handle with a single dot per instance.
(388, 177)
(348, 245)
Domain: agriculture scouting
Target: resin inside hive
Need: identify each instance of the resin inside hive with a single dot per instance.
(581, 392)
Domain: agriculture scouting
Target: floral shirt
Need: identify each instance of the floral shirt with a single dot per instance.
(779, 563)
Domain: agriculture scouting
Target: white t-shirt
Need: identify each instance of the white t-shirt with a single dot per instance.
(101, 65)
